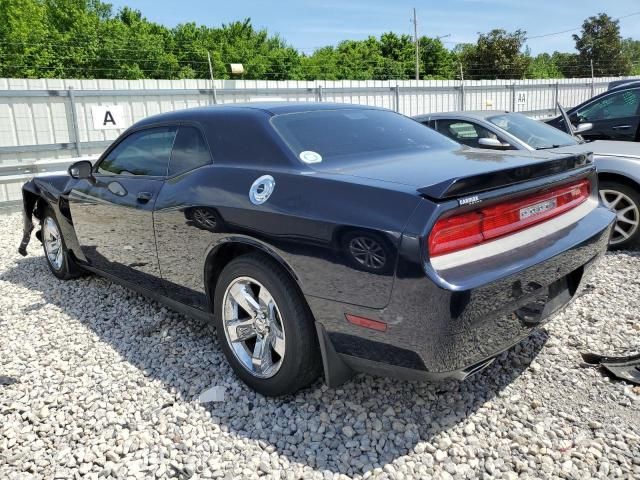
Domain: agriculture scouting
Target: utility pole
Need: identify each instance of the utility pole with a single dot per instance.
(417, 42)
(213, 85)
(462, 92)
(593, 86)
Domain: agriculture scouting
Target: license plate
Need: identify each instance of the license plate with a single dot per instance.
(538, 208)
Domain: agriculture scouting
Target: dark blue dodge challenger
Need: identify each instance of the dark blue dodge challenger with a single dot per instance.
(324, 238)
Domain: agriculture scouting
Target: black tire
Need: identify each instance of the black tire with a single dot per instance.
(301, 363)
(68, 268)
(633, 242)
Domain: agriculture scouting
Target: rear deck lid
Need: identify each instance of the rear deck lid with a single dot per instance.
(444, 173)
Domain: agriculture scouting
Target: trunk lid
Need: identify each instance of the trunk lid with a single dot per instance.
(442, 174)
(606, 148)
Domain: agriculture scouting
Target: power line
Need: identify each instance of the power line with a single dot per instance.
(577, 28)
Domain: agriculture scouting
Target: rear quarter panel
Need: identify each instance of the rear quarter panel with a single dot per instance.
(303, 224)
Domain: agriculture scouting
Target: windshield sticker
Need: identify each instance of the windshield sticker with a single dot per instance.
(309, 156)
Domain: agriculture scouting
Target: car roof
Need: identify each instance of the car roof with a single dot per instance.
(249, 108)
(622, 84)
(471, 114)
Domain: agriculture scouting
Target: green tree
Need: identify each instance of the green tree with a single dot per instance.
(462, 54)
(87, 39)
(497, 54)
(601, 42)
(322, 64)
(24, 27)
(567, 63)
(360, 60)
(399, 54)
(436, 61)
(543, 66)
(631, 50)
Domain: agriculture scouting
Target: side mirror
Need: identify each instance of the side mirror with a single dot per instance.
(492, 143)
(80, 170)
(583, 127)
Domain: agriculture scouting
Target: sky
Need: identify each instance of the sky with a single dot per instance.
(307, 25)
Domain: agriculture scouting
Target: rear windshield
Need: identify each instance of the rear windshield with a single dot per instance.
(330, 136)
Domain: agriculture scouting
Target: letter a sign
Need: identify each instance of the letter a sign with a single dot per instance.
(108, 117)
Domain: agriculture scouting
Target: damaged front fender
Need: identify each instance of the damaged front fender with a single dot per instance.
(30, 196)
(37, 194)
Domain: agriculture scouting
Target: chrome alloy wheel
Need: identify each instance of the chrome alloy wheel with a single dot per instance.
(253, 327)
(368, 252)
(627, 213)
(52, 243)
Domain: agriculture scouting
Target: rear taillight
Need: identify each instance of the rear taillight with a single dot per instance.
(468, 229)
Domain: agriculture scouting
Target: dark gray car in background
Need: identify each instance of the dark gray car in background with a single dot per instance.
(611, 115)
(618, 163)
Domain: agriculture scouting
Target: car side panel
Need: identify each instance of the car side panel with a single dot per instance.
(115, 229)
(617, 128)
(303, 223)
(623, 129)
(623, 166)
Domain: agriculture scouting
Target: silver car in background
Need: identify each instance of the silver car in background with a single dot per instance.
(618, 163)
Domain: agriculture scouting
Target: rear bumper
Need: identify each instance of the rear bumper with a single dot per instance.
(453, 327)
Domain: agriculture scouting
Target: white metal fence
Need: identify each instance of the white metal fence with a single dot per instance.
(44, 124)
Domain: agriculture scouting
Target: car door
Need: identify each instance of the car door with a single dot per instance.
(185, 220)
(614, 116)
(113, 211)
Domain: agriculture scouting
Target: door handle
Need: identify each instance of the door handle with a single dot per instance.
(144, 197)
(621, 127)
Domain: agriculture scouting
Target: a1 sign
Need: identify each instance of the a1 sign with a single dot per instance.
(521, 98)
(107, 117)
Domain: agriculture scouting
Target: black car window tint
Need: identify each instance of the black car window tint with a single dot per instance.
(617, 105)
(238, 137)
(189, 151)
(327, 135)
(141, 153)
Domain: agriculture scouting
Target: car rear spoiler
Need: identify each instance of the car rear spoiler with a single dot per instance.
(460, 186)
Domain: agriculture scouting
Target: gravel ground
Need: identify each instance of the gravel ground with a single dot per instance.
(107, 386)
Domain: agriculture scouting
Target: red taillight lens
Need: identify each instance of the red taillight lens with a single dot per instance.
(473, 228)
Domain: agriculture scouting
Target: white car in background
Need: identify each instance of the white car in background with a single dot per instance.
(618, 162)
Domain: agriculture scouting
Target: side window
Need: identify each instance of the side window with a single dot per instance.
(617, 105)
(141, 153)
(463, 132)
(189, 151)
